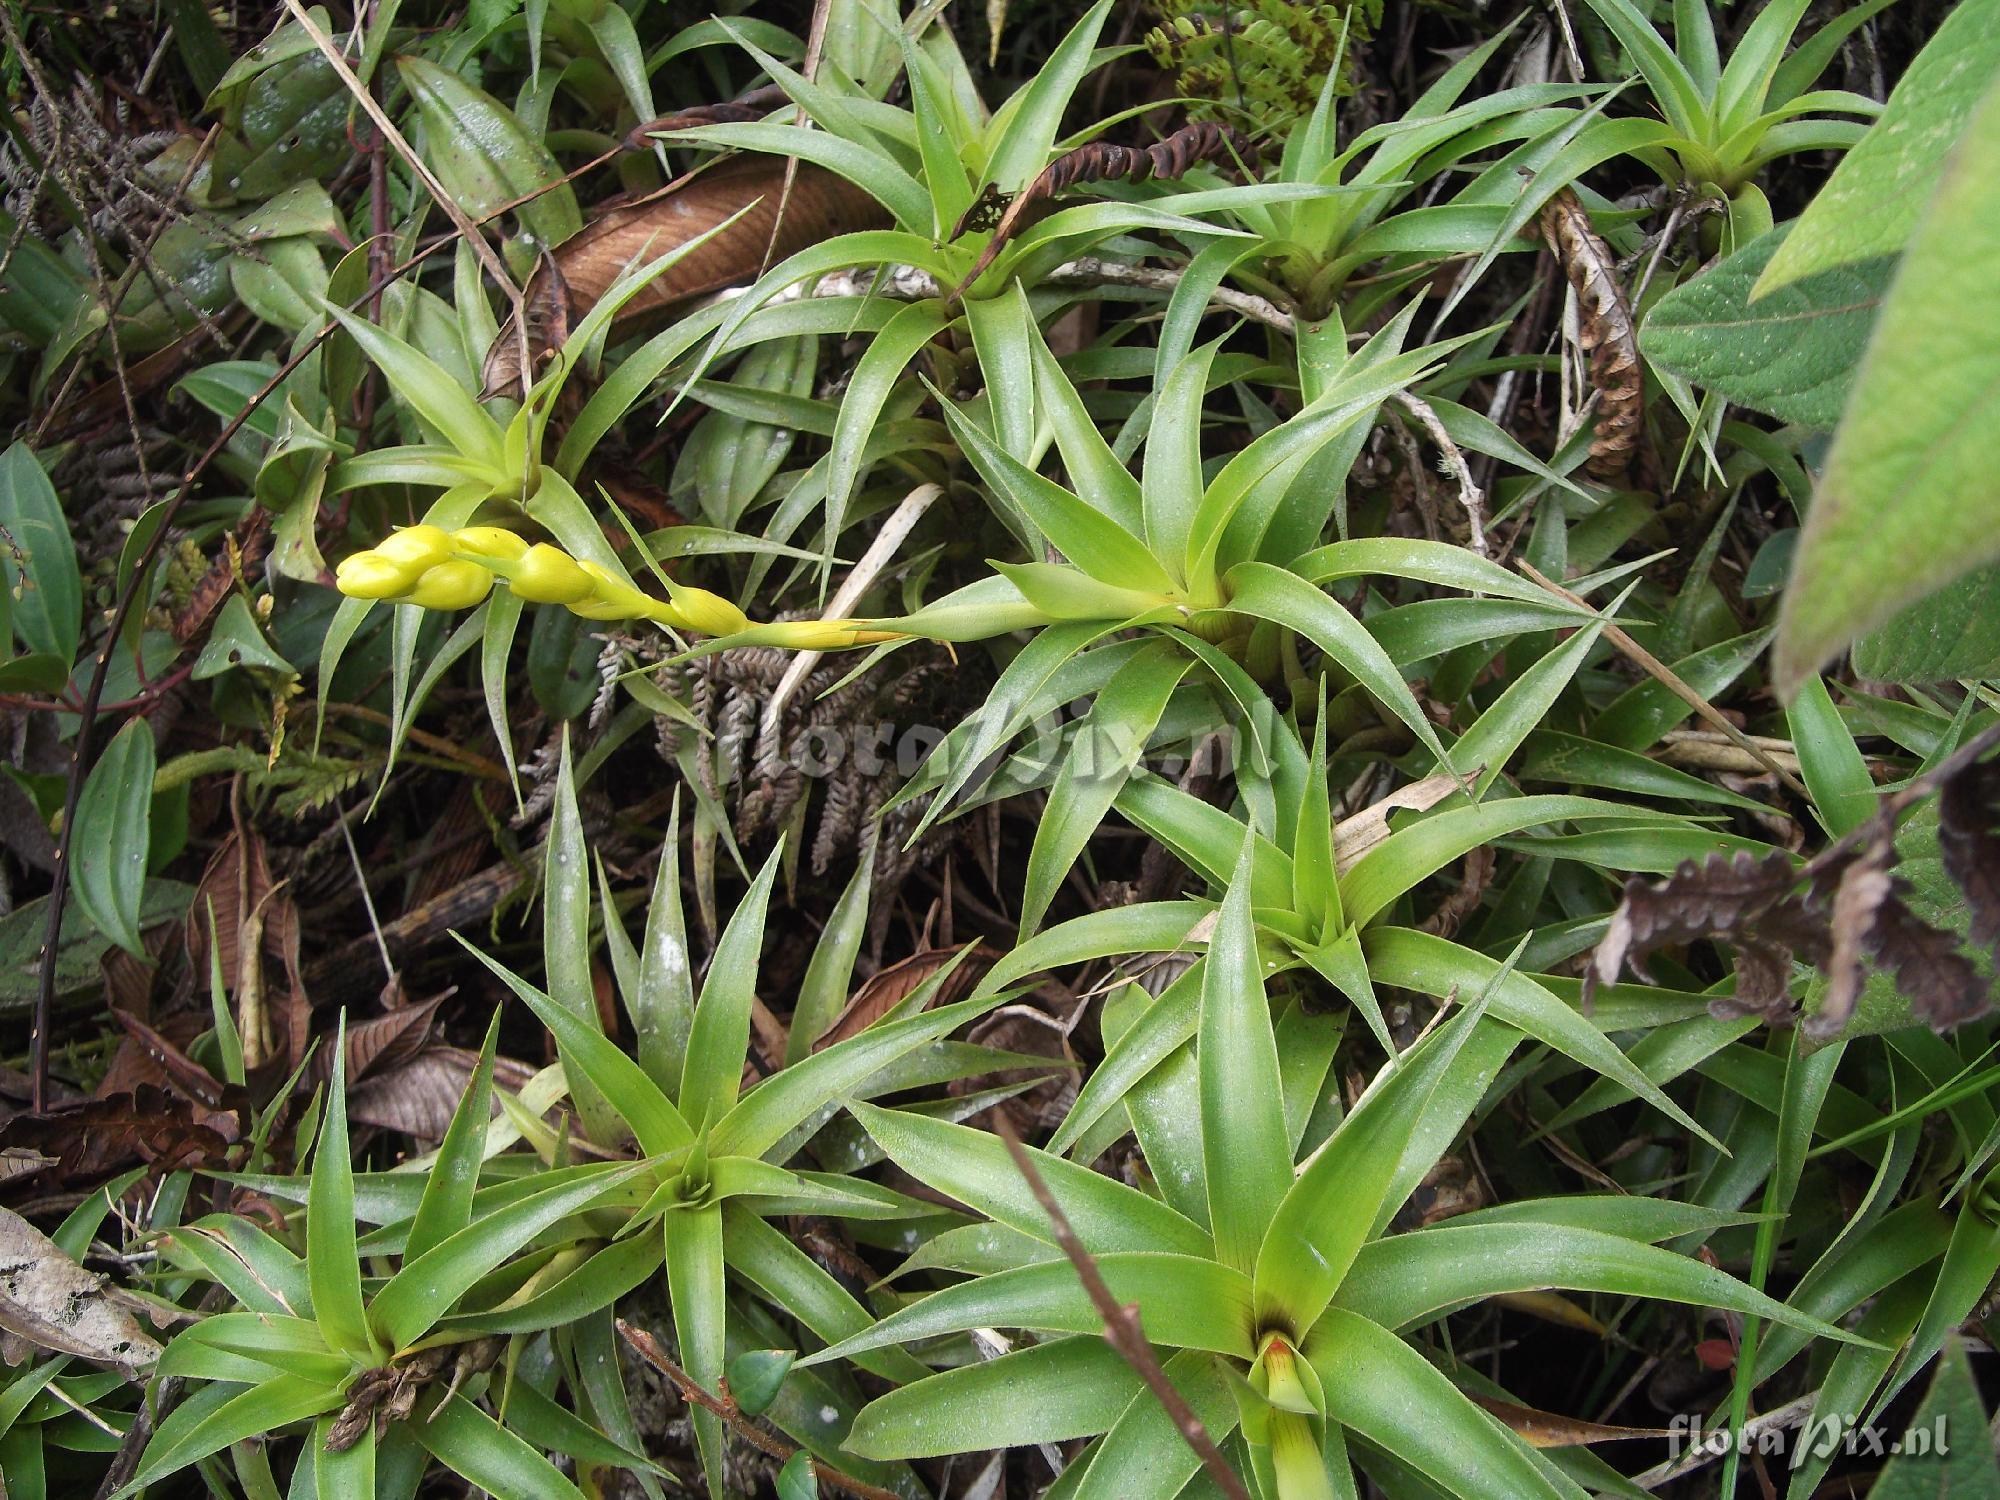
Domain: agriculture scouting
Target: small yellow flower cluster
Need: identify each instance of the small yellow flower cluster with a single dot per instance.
(440, 569)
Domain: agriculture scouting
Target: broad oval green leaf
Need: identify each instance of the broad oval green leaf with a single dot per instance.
(114, 821)
(481, 152)
(1791, 354)
(47, 592)
(1908, 503)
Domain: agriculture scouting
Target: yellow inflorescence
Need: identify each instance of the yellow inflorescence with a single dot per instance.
(440, 569)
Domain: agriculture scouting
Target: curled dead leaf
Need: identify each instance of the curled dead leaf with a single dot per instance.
(1355, 835)
(1546, 1429)
(49, 1301)
(1605, 330)
(820, 207)
(894, 984)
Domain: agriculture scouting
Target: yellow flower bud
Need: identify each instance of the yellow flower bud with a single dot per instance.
(611, 597)
(451, 585)
(369, 575)
(823, 635)
(415, 547)
(711, 614)
(490, 541)
(548, 575)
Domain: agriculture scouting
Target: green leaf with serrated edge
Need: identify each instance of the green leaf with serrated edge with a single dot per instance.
(1952, 1420)
(1851, 1378)
(640, 1103)
(974, 1167)
(1244, 1141)
(1791, 354)
(1184, 1301)
(114, 819)
(454, 1177)
(1872, 203)
(1906, 504)
(1947, 636)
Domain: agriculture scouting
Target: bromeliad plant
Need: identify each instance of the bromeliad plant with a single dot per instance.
(1722, 123)
(1266, 1275)
(514, 1246)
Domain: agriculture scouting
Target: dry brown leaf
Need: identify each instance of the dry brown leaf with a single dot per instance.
(821, 207)
(894, 984)
(1355, 835)
(1546, 1429)
(236, 883)
(94, 1137)
(1606, 332)
(382, 1043)
(48, 1300)
(418, 1096)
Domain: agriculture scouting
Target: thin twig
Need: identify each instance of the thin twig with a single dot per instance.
(1703, 1454)
(1671, 680)
(648, 1348)
(902, 521)
(1469, 494)
(1121, 1323)
(1088, 270)
(461, 221)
